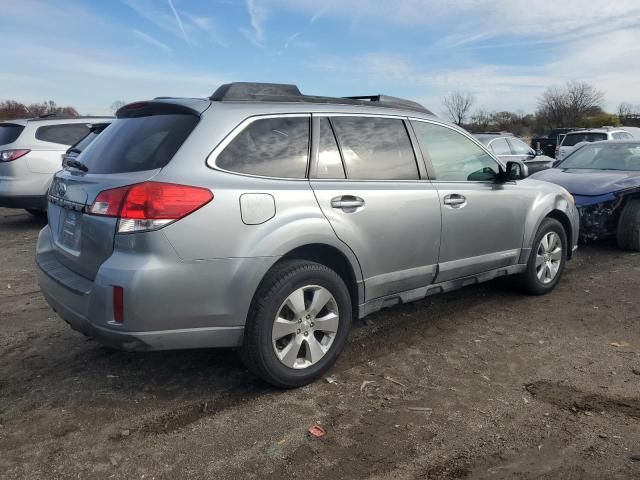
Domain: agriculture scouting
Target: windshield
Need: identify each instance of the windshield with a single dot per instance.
(574, 138)
(605, 156)
(138, 144)
(9, 133)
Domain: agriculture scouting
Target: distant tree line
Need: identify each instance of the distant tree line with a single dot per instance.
(577, 104)
(11, 110)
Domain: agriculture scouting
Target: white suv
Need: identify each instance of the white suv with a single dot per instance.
(31, 152)
(573, 139)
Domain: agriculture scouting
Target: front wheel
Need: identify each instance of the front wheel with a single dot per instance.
(547, 259)
(629, 226)
(298, 324)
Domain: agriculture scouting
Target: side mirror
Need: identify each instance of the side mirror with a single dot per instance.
(516, 171)
(534, 153)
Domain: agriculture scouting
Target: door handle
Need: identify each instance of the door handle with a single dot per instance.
(347, 202)
(455, 200)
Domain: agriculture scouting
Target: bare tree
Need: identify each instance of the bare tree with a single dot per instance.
(117, 105)
(625, 109)
(458, 106)
(11, 109)
(481, 119)
(570, 105)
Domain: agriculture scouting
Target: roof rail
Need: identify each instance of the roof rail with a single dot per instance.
(384, 100)
(502, 132)
(66, 117)
(281, 92)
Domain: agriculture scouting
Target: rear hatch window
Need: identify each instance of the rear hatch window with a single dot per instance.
(575, 138)
(9, 133)
(138, 144)
(84, 143)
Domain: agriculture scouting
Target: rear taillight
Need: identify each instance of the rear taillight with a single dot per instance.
(11, 155)
(149, 205)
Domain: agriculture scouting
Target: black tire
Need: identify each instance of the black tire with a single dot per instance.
(257, 351)
(528, 281)
(37, 213)
(629, 226)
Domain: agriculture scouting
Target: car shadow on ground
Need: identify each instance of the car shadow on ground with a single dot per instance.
(22, 221)
(218, 376)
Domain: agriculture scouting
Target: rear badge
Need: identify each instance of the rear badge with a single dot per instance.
(61, 189)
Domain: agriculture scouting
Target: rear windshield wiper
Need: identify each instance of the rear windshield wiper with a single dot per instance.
(76, 164)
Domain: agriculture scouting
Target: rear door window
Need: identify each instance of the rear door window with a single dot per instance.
(621, 136)
(500, 147)
(9, 133)
(67, 134)
(376, 148)
(269, 147)
(139, 143)
(519, 147)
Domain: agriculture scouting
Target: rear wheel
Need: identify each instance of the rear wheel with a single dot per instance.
(629, 226)
(547, 259)
(298, 324)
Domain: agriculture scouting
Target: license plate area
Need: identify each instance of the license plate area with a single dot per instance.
(70, 233)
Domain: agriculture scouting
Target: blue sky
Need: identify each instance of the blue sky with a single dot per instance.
(90, 54)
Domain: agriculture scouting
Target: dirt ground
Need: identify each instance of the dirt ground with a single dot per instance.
(481, 383)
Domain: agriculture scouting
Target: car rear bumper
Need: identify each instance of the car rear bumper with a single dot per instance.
(69, 304)
(169, 304)
(21, 188)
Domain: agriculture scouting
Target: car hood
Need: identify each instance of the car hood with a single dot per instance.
(590, 182)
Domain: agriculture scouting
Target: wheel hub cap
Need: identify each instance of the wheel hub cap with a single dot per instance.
(305, 326)
(548, 257)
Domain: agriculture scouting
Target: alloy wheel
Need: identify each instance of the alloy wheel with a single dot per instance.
(305, 326)
(548, 257)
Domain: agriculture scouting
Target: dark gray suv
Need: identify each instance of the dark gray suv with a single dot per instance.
(264, 219)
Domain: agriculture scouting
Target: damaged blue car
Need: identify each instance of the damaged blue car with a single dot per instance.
(604, 178)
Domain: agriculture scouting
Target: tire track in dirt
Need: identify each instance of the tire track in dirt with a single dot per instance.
(570, 398)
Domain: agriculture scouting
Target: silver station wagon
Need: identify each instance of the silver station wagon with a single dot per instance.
(267, 220)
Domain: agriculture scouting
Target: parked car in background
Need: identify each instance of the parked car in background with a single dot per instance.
(604, 178)
(633, 131)
(30, 153)
(507, 147)
(264, 219)
(77, 148)
(573, 139)
(547, 145)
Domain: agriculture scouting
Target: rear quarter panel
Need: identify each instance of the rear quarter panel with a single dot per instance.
(217, 230)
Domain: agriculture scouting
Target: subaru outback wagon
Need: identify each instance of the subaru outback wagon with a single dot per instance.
(264, 219)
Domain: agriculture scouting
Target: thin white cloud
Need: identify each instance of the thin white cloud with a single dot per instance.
(103, 70)
(178, 21)
(207, 25)
(148, 39)
(477, 20)
(316, 16)
(257, 17)
(609, 62)
(192, 28)
(288, 42)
